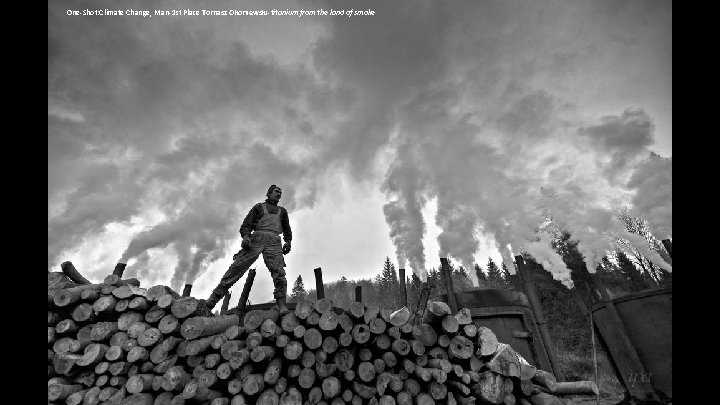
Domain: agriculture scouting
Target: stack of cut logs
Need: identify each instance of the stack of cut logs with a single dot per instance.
(118, 343)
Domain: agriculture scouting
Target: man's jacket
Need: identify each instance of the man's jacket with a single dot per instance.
(256, 212)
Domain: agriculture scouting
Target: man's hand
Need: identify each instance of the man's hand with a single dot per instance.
(286, 248)
(246, 243)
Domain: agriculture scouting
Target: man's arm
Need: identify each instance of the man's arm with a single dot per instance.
(285, 221)
(250, 222)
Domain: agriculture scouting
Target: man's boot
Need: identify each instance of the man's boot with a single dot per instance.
(282, 308)
(214, 298)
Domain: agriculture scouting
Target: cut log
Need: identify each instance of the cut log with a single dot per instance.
(272, 371)
(345, 339)
(543, 398)
(103, 330)
(450, 324)
(139, 383)
(435, 312)
(154, 315)
(293, 350)
(253, 340)
(269, 329)
(330, 345)
(364, 391)
(377, 326)
(122, 305)
(253, 384)
(169, 325)
(234, 332)
(83, 313)
(267, 397)
(289, 322)
(185, 307)
(253, 319)
(313, 319)
(262, 354)
(470, 331)
(357, 310)
(139, 304)
(291, 397)
(438, 391)
(312, 338)
(67, 296)
(443, 341)
(464, 317)
(149, 337)
(323, 305)
(331, 387)
(229, 347)
(490, 388)
(505, 361)
(576, 388)
(328, 321)
(166, 301)
(361, 333)
(198, 346)
(400, 317)
(461, 348)
(128, 318)
(371, 312)
(119, 368)
(281, 341)
(303, 309)
(487, 341)
(224, 371)
(156, 291)
(138, 354)
(545, 379)
(60, 392)
(127, 291)
(89, 295)
(196, 327)
(94, 353)
(425, 333)
(306, 379)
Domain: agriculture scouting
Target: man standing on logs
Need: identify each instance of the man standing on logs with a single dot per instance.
(260, 233)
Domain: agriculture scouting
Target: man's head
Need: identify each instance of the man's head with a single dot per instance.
(274, 193)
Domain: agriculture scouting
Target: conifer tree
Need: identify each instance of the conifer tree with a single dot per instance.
(298, 290)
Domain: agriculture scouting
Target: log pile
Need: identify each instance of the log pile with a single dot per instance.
(118, 343)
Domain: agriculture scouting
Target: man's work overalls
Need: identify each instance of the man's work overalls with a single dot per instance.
(266, 240)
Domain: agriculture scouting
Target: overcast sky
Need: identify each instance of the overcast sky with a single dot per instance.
(428, 129)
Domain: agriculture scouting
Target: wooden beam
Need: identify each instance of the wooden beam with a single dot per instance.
(539, 317)
(358, 293)
(186, 290)
(319, 286)
(225, 303)
(246, 290)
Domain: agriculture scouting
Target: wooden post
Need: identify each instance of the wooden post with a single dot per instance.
(403, 287)
(539, 317)
(225, 304)
(668, 246)
(119, 269)
(72, 273)
(358, 293)
(447, 276)
(319, 287)
(246, 290)
(186, 290)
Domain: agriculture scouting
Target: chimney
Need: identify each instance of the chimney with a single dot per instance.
(403, 287)
(186, 290)
(119, 269)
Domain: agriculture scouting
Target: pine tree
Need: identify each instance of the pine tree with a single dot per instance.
(494, 277)
(636, 280)
(298, 290)
(461, 279)
(388, 286)
(480, 274)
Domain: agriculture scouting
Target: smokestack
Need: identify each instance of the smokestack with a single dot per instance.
(358, 293)
(319, 286)
(403, 287)
(668, 246)
(119, 269)
(186, 290)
